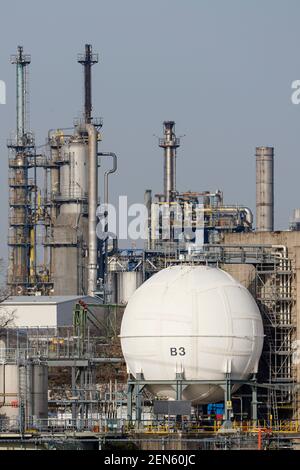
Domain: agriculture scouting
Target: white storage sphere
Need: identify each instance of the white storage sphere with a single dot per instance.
(192, 319)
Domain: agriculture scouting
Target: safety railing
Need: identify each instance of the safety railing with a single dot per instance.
(175, 142)
(20, 182)
(59, 425)
(116, 426)
(27, 140)
(212, 427)
(15, 355)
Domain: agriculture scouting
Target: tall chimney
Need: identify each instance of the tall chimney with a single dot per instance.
(264, 189)
(87, 60)
(169, 143)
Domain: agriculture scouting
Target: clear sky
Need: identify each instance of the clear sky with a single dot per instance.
(221, 69)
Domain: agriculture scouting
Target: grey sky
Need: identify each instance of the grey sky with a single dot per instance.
(221, 69)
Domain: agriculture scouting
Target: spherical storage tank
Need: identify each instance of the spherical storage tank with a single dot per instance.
(196, 320)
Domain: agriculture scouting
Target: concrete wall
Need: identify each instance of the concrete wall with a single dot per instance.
(244, 273)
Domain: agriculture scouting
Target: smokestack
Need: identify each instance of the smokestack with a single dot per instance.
(169, 143)
(21, 62)
(22, 247)
(148, 203)
(264, 189)
(87, 60)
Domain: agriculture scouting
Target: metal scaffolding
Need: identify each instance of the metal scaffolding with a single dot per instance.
(22, 189)
(26, 210)
(273, 286)
(275, 295)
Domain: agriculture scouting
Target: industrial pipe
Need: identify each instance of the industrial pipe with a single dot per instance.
(249, 215)
(106, 174)
(148, 205)
(3, 386)
(232, 210)
(92, 205)
(109, 360)
(169, 143)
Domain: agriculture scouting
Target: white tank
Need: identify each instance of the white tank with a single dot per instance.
(9, 395)
(128, 282)
(74, 174)
(196, 320)
(35, 395)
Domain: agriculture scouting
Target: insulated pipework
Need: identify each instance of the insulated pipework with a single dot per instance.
(107, 173)
(92, 206)
(87, 60)
(148, 205)
(169, 143)
(106, 199)
(264, 189)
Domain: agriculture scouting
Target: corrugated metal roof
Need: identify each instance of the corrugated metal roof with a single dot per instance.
(46, 299)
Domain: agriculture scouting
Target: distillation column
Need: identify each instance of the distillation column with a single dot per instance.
(169, 143)
(21, 239)
(75, 199)
(264, 189)
(87, 60)
(69, 216)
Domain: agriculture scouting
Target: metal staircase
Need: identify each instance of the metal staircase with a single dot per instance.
(276, 298)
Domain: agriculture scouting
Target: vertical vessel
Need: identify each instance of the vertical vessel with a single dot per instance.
(265, 189)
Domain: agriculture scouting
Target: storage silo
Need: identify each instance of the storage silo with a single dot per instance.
(128, 282)
(24, 382)
(122, 285)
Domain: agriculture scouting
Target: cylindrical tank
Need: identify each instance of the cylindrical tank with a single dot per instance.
(29, 384)
(74, 174)
(128, 282)
(196, 320)
(39, 392)
(9, 395)
(264, 189)
(69, 257)
(112, 286)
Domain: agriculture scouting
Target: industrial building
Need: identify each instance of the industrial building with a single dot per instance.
(43, 311)
(142, 345)
(61, 216)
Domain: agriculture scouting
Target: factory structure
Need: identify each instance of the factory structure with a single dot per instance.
(188, 343)
(60, 216)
